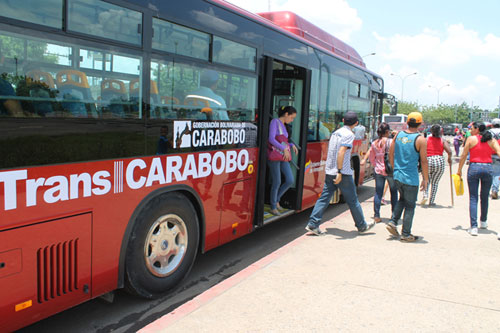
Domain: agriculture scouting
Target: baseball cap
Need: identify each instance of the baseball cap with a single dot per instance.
(414, 118)
(350, 118)
(209, 77)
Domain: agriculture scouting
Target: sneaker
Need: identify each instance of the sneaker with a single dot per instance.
(383, 202)
(409, 239)
(315, 230)
(275, 212)
(472, 231)
(367, 227)
(494, 195)
(423, 201)
(484, 224)
(393, 230)
(432, 204)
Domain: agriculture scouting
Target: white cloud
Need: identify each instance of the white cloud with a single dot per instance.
(457, 45)
(334, 16)
(491, 46)
(484, 81)
(378, 37)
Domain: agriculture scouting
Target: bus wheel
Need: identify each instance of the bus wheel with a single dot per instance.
(162, 246)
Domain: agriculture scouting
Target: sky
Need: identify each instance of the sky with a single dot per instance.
(452, 45)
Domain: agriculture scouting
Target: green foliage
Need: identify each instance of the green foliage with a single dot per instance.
(407, 107)
(15, 49)
(445, 114)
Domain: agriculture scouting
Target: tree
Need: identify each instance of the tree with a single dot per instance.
(407, 107)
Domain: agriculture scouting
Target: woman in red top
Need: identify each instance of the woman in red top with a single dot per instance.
(435, 147)
(481, 146)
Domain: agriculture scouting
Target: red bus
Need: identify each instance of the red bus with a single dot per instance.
(133, 137)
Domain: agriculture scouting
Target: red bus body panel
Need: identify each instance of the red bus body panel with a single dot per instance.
(314, 170)
(227, 205)
(305, 29)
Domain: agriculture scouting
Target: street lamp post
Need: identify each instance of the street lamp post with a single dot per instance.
(369, 54)
(438, 90)
(403, 78)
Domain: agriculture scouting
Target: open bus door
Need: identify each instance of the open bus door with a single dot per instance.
(284, 84)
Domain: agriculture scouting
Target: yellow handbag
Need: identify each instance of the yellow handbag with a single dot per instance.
(459, 184)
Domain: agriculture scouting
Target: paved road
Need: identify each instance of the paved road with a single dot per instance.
(128, 314)
(448, 282)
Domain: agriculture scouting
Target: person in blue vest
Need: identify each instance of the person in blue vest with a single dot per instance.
(407, 148)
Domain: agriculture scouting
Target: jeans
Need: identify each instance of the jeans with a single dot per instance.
(478, 173)
(277, 191)
(348, 189)
(407, 202)
(379, 193)
(457, 148)
(496, 176)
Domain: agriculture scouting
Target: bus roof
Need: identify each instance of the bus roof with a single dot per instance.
(305, 29)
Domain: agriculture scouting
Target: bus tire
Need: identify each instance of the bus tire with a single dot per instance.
(162, 246)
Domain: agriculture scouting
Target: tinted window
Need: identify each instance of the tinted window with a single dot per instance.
(102, 19)
(233, 54)
(179, 40)
(48, 12)
(333, 102)
(354, 89)
(54, 110)
(184, 90)
(182, 94)
(312, 131)
(364, 92)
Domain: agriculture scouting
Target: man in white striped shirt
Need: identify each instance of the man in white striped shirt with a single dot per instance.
(339, 174)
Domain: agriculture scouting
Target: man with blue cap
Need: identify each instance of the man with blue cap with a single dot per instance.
(206, 94)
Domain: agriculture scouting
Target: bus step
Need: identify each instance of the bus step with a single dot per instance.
(268, 217)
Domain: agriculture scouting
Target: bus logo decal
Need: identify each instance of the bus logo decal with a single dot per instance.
(135, 174)
(182, 134)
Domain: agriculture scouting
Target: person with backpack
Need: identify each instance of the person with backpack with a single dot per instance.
(406, 150)
(379, 155)
(435, 147)
(495, 131)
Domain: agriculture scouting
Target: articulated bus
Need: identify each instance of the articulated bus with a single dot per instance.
(133, 137)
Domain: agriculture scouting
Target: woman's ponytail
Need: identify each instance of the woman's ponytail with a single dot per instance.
(485, 134)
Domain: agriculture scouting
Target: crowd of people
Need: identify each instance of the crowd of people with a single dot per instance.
(404, 160)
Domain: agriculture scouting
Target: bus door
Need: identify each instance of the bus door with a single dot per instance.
(285, 85)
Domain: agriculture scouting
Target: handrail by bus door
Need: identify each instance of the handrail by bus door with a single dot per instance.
(303, 138)
(264, 120)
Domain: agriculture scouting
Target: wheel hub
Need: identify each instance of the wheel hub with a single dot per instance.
(166, 245)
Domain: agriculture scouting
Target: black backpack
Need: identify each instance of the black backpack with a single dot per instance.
(387, 163)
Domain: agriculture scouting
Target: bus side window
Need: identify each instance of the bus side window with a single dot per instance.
(39, 86)
(75, 92)
(113, 97)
